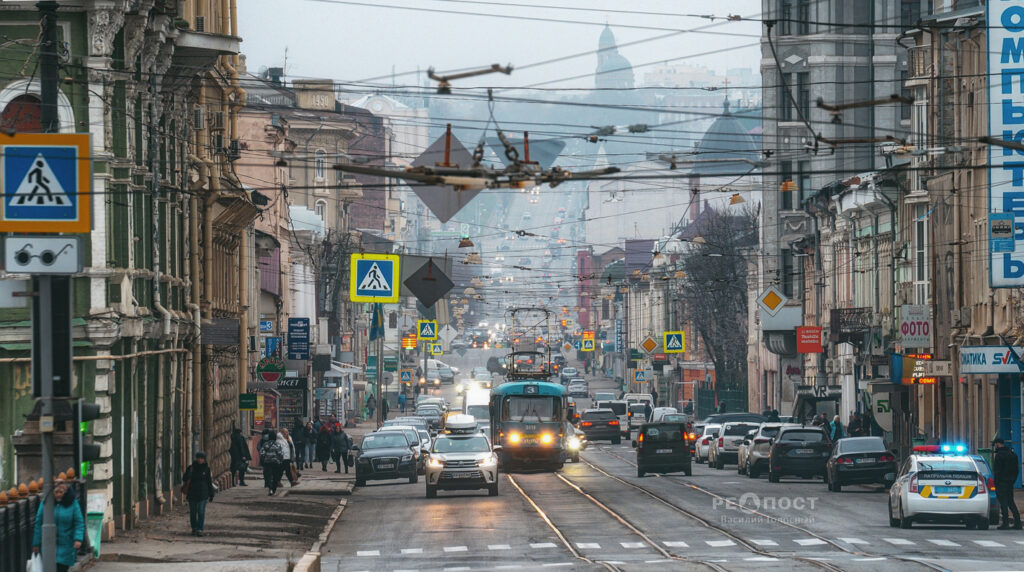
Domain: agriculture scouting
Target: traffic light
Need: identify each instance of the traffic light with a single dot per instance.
(85, 450)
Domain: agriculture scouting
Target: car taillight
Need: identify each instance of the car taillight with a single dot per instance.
(844, 461)
(721, 442)
(692, 436)
(615, 422)
(629, 414)
(913, 484)
(991, 484)
(706, 441)
(886, 458)
(586, 423)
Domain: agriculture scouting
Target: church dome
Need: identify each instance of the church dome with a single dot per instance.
(613, 69)
(727, 138)
(607, 40)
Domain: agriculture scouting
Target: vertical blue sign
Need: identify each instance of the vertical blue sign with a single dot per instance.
(298, 338)
(271, 345)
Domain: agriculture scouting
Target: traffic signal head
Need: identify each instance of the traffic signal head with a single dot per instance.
(85, 450)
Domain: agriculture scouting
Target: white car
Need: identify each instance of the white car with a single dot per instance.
(660, 412)
(946, 489)
(578, 388)
(703, 445)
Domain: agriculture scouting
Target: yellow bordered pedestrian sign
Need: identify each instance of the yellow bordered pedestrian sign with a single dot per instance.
(436, 349)
(374, 278)
(426, 329)
(46, 179)
(673, 342)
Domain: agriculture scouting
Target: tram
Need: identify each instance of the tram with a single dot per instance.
(528, 421)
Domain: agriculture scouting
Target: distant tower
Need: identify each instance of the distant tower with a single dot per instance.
(613, 70)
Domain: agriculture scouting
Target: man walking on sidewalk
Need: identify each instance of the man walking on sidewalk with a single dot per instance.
(240, 457)
(371, 406)
(1005, 468)
(198, 489)
(271, 459)
(340, 445)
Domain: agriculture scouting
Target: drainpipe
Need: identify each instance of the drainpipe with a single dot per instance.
(155, 214)
(243, 319)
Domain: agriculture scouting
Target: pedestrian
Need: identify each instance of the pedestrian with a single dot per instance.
(773, 416)
(310, 434)
(288, 466)
(1006, 467)
(647, 411)
(654, 396)
(401, 401)
(340, 445)
(197, 485)
(416, 392)
(298, 435)
(271, 458)
(835, 429)
(818, 420)
(67, 515)
(323, 447)
(856, 426)
(385, 407)
(240, 457)
(371, 406)
(317, 423)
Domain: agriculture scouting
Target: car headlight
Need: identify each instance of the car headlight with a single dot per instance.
(514, 438)
(436, 463)
(547, 438)
(488, 460)
(406, 458)
(362, 460)
(574, 443)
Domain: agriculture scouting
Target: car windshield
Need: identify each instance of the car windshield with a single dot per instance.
(809, 436)
(601, 415)
(637, 408)
(663, 434)
(862, 445)
(461, 445)
(770, 432)
(735, 430)
(385, 440)
(480, 412)
(522, 408)
(428, 412)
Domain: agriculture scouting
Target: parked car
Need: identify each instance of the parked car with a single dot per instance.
(725, 449)
(387, 455)
(752, 455)
(601, 424)
(662, 448)
(419, 445)
(800, 451)
(942, 489)
(859, 460)
(719, 418)
(704, 441)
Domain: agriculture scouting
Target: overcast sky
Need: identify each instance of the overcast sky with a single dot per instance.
(358, 40)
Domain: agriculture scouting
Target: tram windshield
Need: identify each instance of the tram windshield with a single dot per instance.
(521, 408)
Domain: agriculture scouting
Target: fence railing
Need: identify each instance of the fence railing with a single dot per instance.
(18, 507)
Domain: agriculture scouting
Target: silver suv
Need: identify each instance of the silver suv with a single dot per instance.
(462, 461)
(725, 449)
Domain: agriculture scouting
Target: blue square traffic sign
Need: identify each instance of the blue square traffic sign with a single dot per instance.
(373, 278)
(46, 179)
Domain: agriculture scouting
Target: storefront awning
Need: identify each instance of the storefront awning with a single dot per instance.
(339, 369)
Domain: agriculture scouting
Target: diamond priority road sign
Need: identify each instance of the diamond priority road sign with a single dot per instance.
(772, 300)
(374, 278)
(46, 180)
(649, 344)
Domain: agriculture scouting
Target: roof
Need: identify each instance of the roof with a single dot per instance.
(365, 100)
(607, 39)
(519, 388)
(727, 138)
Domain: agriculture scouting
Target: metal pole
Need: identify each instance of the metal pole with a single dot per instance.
(380, 377)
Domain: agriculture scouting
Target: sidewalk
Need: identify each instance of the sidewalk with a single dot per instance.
(245, 528)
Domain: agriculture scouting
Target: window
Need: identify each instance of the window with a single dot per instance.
(320, 208)
(803, 93)
(23, 114)
(785, 174)
(803, 181)
(921, 281)
(803, 17)
(787, 271)
(799, 85)
(910, 13)
(319, 164)
(907, 93)
(785, 16)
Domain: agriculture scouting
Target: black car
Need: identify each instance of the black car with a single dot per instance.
(498, 365)
(386, 455)
(601, 424)
(662, 448)
(798, 451)
(432, 414)
(859, 460)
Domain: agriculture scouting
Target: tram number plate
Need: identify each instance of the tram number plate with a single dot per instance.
(660, 451)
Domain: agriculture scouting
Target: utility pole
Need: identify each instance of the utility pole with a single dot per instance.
(44, 287)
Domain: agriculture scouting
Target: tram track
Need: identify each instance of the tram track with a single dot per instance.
(735, 536)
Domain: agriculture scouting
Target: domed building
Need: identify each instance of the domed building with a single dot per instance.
(613, 70)
(726, 138)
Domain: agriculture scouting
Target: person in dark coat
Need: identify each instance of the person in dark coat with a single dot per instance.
(323, 447)
(654, 397)
(1005, 468)
(271, 459)
(70, 526)
(310, 435)
(240, 457)
(198, 488)
(298, 434)
(371, 406)
(773, 416)
(647, 411)
(340, 444)
(385, 407)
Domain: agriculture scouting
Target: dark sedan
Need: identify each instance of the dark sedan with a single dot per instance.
(798, 451)
(431, 414)
(859, 460)
(601, 424)
(386, 455)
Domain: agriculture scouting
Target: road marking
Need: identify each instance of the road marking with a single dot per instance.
(498, 547)
(455, 548)
(989, 543)
(941, 542)
(632, 544)
(899, 541)
(676, 544)
(412, 551)
(765, 542)
(762, 558)
(542, 545)
(662, 561)
(457, 569)
(588, 545)
(1019, 541)
(368, 553)
(873, 559)
(557, 564)
(809, 541)
(854, 541)
(720, 543)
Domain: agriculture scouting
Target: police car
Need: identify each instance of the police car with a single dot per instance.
(939, 484)
(461, 458)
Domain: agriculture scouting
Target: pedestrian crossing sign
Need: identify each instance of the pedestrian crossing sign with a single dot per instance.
(406, 376)
(588, 346)
(639, 376)
(427, 329)
(46, 180)
(374, 278)
(436, 349)
(674, 342)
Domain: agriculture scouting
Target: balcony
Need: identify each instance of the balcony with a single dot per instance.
(919, 62)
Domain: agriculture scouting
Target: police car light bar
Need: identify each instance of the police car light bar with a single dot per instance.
(945, 449)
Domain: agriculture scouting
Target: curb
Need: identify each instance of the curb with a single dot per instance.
(310, 561)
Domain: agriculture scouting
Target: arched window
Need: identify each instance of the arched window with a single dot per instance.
(23, 114)
(319, 164)
(320, 208)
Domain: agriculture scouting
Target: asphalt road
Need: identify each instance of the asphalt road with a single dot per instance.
(598, 515)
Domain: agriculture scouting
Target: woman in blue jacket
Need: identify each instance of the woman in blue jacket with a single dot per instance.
(70, 526)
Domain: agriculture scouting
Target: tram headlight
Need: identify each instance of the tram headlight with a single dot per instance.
(514, 438)
(547, 438)
(573, 443)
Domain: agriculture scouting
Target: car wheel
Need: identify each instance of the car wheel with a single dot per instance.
(688, 471)
(905, 521)
(893, 522)
(772, 477)
(836, 486)
(719, 463)
(616, 440)
(576, 458)
(492, 490)
(753, 473)
(640, 472)
(414, 478)
(431, 491)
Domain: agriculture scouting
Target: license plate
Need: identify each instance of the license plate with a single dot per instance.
(865, 460)
(946, 490)
(660, 451)
(804, 451)
(458, 475)
(386, 466)
(529, 442)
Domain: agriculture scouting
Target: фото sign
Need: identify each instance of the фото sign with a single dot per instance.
(915, 326)
(989, 359)
(1005, 32)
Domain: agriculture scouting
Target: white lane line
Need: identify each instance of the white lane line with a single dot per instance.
(873, 559)
(765, 543)
(412, 551)
(586, 545)
(632, 544)
(456, 548)
(457, 569)
(556, 564)
(942, 542)
(368, 553)
(508, 567)
(809, 541)
(662, 561)
(498, 547)
(719, 543)
(1019, 541)
(899, 541)
(989, 543)
(542, 545)
(676, 544)
(762, 559)
(854, 541)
